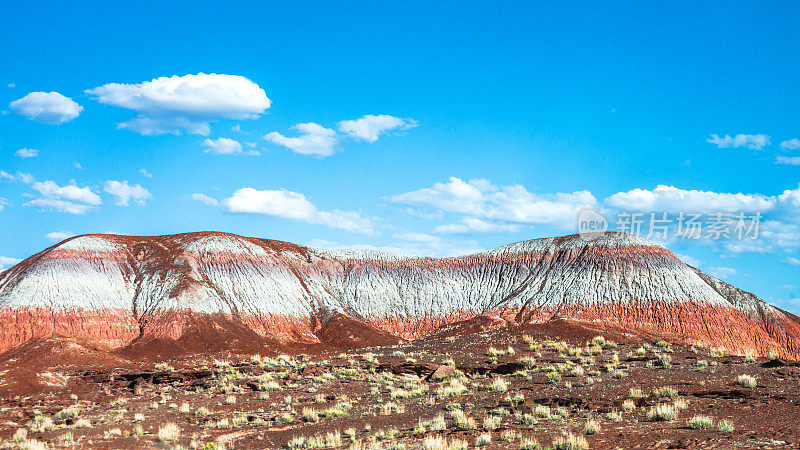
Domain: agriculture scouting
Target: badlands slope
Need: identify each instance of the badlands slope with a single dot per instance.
(206, 292)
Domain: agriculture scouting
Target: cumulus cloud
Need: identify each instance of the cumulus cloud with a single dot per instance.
(721, 272)
(47, 107)
(69, 199)
(792, 261)
(222, 146)
(145, 173)
(295, 206)
(411, 244)
(370, 127)
(788, 160)
(773, 236)
(186, 103)
(27, 152)
(475, 225)
(124, 193)
(58, 236)
(672, 199)
(692, 261)
(481, 199)
(314, 140)
(6, 261)
(791, 144)
(751, 141)
(202, 198)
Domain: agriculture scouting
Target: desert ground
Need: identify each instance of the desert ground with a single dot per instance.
(557, 385)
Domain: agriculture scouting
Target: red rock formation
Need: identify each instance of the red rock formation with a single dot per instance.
(208, 292)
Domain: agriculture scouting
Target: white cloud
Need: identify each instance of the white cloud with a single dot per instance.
(751, 141)
(27, 152)
(78, 166)
(788, 160)
(6, 176)
(47, 107)
(672, 199)
(295, 206)
(6, 261)
(145, 173)
(69, 199)
(792, 261)
(25, 177)
(721, 272)
(481, 199)
(369, 127)
(475, 225)
(411, 244)
(694, 262)
(124, 192)
(184, 103)
(791, 144)
(773, 236)
(202, 198)
(222, 146)
(58, 236)
(314, 140)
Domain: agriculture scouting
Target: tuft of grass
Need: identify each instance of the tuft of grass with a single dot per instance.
(492, 422)
(164, 367)
(628, 405)
(230, 400)
(592, 427)
(665, 391)
(577, 371)
(462, 420)
(83, 423)
(725, 426)
(441, 443)
(509, 435)
(570, 442)
(169, 432)
(309, 415)
(680, 404)
(41, 423)
(700, 423)
(746, 381)
(662, 412)
(438, 423)
(185, 409)
(455, 387)
(499, 385)
(530, 444)
(483, 440)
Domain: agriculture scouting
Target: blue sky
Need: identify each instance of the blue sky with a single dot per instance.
(434, 129)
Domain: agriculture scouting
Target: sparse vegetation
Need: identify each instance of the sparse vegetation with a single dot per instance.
(746, 381)
(700, 423)
(592, 427)
(662, 412)
(169, 432)
(570, 442)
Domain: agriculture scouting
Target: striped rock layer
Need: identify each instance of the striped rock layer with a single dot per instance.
(119, 290)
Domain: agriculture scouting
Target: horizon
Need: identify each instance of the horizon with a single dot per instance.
(436, 130)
